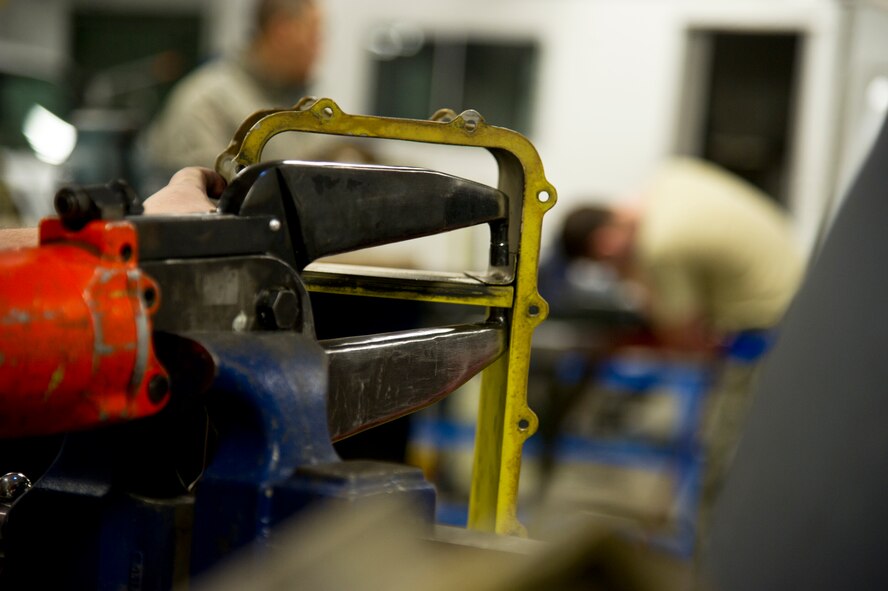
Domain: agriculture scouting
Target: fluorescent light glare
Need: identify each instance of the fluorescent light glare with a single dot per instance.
(51, 137)
(877, 94)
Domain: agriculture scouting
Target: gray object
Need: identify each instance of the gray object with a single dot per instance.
(805, 503)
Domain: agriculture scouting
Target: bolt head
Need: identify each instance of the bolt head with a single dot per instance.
(278, 309)
(285, 308)
(12, 485)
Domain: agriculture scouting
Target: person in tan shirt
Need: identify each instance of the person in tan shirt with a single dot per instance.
(719, 265)
(206, 107)
(714, 254)
(714, 251)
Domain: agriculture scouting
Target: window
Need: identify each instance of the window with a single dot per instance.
(738, 105)
(416, 75)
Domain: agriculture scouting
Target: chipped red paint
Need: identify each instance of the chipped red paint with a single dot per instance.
(75, 334)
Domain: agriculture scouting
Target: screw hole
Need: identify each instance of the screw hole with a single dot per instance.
(327, 112)
(543, 196)
(126, 252)
(523, 425)
(533, 310)
(149, 296)
(158, 388)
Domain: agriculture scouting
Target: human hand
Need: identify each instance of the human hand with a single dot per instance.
(18, 238)
(188, 191)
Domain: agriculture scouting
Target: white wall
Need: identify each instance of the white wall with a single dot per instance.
(865, 91)
(39, 26)
(610, 78)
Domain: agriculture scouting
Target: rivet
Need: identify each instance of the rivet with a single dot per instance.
(13, 485)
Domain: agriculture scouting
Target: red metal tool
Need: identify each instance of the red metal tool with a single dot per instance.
(75, 332)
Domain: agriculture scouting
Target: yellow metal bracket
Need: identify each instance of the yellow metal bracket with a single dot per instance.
(504, 420)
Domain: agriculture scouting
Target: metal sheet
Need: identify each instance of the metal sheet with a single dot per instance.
(379, 378)
(426, 286)
(335, 208)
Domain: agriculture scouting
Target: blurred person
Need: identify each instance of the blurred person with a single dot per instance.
(718, 265)
(206, 107)
(572, 282)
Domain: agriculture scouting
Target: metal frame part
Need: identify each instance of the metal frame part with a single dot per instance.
(504, 420)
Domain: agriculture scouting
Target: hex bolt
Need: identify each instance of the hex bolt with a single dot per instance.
(278, 309)
(13, 485)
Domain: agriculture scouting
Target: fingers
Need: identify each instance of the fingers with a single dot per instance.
(215, 183)
(191, 175)
(187, 192)
(18, 238)
(205, 179)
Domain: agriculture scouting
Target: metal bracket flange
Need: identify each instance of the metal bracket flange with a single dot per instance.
(504, 421)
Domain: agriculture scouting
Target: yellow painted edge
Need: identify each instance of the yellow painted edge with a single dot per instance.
(324, 116)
